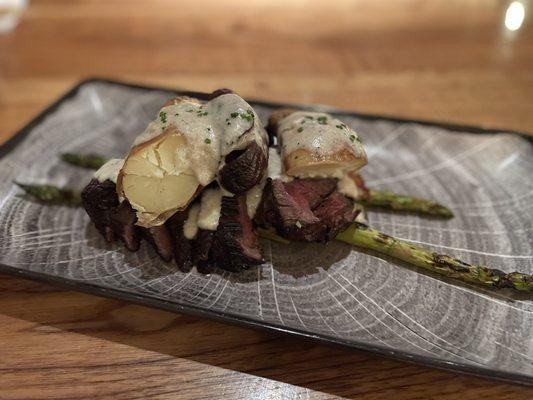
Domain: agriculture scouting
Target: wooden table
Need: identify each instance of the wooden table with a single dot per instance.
(451, 60)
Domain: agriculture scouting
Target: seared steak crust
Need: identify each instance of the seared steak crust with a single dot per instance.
(235, 244)
(243, 169)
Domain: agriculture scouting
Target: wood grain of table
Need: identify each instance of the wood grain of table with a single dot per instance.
(449, 61)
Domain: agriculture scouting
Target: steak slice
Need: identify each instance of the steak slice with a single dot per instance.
(289, 214)
(123, 220)
(161, 240)
(111, 218)
(336, 212)
(235, 244)
(281, 210)
(100, 200)
(117, 220)
(243, 169)
(202, 251)
(308, 210)
(182, 246)
(312, 190)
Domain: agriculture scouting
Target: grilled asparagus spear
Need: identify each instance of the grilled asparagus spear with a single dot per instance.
(52, 194)
(91, 161)
(399, 202)
(367, 238)
(364, 237)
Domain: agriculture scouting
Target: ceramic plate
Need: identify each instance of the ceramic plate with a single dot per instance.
(326, 292)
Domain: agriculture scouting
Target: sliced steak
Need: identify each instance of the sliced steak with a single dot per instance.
(100, 200)
(161, 240)
(337, 212)
(123, 221)
(117, 220)
(235, 244)
(183, 254)
(202, 251)
(312, 190)
(290, 215)
(243, 169)
(111, 218)
(280, 209)
(308, 210)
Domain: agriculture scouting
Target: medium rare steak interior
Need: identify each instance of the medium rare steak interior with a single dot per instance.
(308, 210)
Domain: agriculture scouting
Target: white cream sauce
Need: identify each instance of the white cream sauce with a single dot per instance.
(361, 216)
(347, 187)
(190, 227)
(317, 133)
(212, 131)
(253, 198)
(210, 209)
(275, 168)
(206, 213)
(109, 171)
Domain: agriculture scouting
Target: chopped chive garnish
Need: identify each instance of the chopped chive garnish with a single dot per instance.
(322, 120)
(208, 141)
(300, 129)
(163, 117)
(248, 116)
(234, 114)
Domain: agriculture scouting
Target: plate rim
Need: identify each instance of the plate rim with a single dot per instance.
(183, 308)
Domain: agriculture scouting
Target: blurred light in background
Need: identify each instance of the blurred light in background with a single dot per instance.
(514, 17)
(10, 13)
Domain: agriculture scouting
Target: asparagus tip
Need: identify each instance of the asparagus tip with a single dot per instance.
(90, 160)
